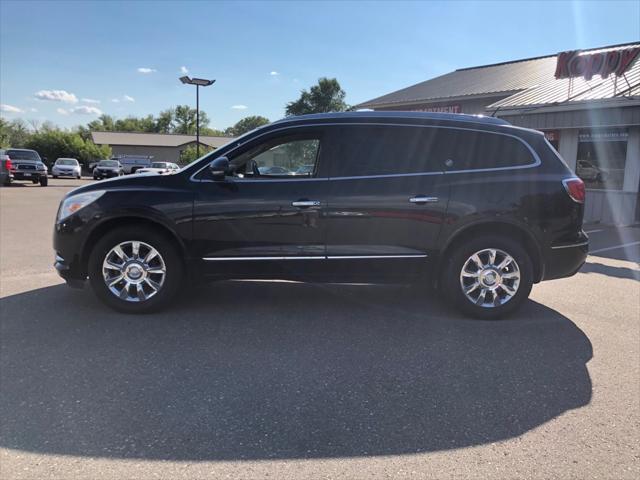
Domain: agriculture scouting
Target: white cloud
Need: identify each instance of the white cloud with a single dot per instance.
(10, 109)
(273, 73)
(239, 107)
(62, 111)
(56, 96)
(127, 98)
(33, 109)
(90, 100)
(85, 110)
(184, 69)
(115, 100)
(146, 70)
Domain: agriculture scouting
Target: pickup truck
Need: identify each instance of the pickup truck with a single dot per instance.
(131, 163)
(27, 165)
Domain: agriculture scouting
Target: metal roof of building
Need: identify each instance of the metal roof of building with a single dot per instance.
(507, 78)
(573, 90)
(154, 139)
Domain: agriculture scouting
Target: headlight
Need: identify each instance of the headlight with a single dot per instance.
(72, 204)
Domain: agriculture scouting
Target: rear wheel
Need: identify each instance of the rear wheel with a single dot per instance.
(488, 277)
(135, 269)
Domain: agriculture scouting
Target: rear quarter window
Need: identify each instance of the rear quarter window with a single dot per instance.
(475, 150)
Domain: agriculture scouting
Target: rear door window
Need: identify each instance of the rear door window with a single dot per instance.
(381, 150)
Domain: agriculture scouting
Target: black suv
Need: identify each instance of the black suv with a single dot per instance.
(481, 208)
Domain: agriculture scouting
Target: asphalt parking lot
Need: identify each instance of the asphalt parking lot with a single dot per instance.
(286, 380)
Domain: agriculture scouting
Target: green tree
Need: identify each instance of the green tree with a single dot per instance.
(185, 120)
(326, 96)
(54, 144)
(13, 134)
(164, 122)
(246, 125)
(190, 153)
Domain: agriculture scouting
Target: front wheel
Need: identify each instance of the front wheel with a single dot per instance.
(488, 277)
(135, 270)
(44, 181)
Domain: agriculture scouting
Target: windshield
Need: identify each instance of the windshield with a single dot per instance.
(108, 163)
(23, 155)
(159, 165)
(66, 161)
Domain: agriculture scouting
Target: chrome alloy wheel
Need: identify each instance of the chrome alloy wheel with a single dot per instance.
(134, 271)
(490, 278)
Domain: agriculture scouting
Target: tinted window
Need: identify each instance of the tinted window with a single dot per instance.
(384, 150)
(23, 155)
(381, 150)
(470, 150)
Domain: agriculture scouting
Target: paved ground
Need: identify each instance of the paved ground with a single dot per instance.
(282, 380)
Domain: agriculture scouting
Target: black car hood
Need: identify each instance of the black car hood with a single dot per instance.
(128, 182)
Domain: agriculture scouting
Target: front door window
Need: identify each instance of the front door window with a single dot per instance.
(293, 158)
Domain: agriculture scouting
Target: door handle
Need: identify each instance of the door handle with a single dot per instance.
(305, 203)
(423, 199)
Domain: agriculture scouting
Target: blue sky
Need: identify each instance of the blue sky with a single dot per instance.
(59, 59)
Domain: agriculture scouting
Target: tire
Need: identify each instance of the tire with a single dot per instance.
(55, 176)
(460, 258)
(79, 177)
(44, 181)
(167, 253)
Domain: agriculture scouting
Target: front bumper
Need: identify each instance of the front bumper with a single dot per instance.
(28, 174)
(564, 260)
(105, 173)
(65, 173)
(66, 270)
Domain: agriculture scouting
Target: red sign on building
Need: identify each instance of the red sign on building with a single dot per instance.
(440, 109)
(572, 64)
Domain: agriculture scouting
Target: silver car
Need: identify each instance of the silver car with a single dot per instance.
(66, 167)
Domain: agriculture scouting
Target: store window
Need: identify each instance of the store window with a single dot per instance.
(601, 158)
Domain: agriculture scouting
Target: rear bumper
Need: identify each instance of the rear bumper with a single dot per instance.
(564, 260)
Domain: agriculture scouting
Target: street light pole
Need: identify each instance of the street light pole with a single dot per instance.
(198, 82)
(197, 121)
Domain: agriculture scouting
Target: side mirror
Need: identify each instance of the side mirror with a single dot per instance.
(219, 168)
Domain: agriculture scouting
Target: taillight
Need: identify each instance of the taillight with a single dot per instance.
(575, 188)
(7, 164)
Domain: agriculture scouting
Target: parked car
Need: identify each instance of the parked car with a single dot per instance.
(274, 170)
(160, 167)
(107, 169)
(6, 177)
(27, 165)
(475, 206)
(132, 163)
(304, 170)
(590, 172)
(66, 167)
